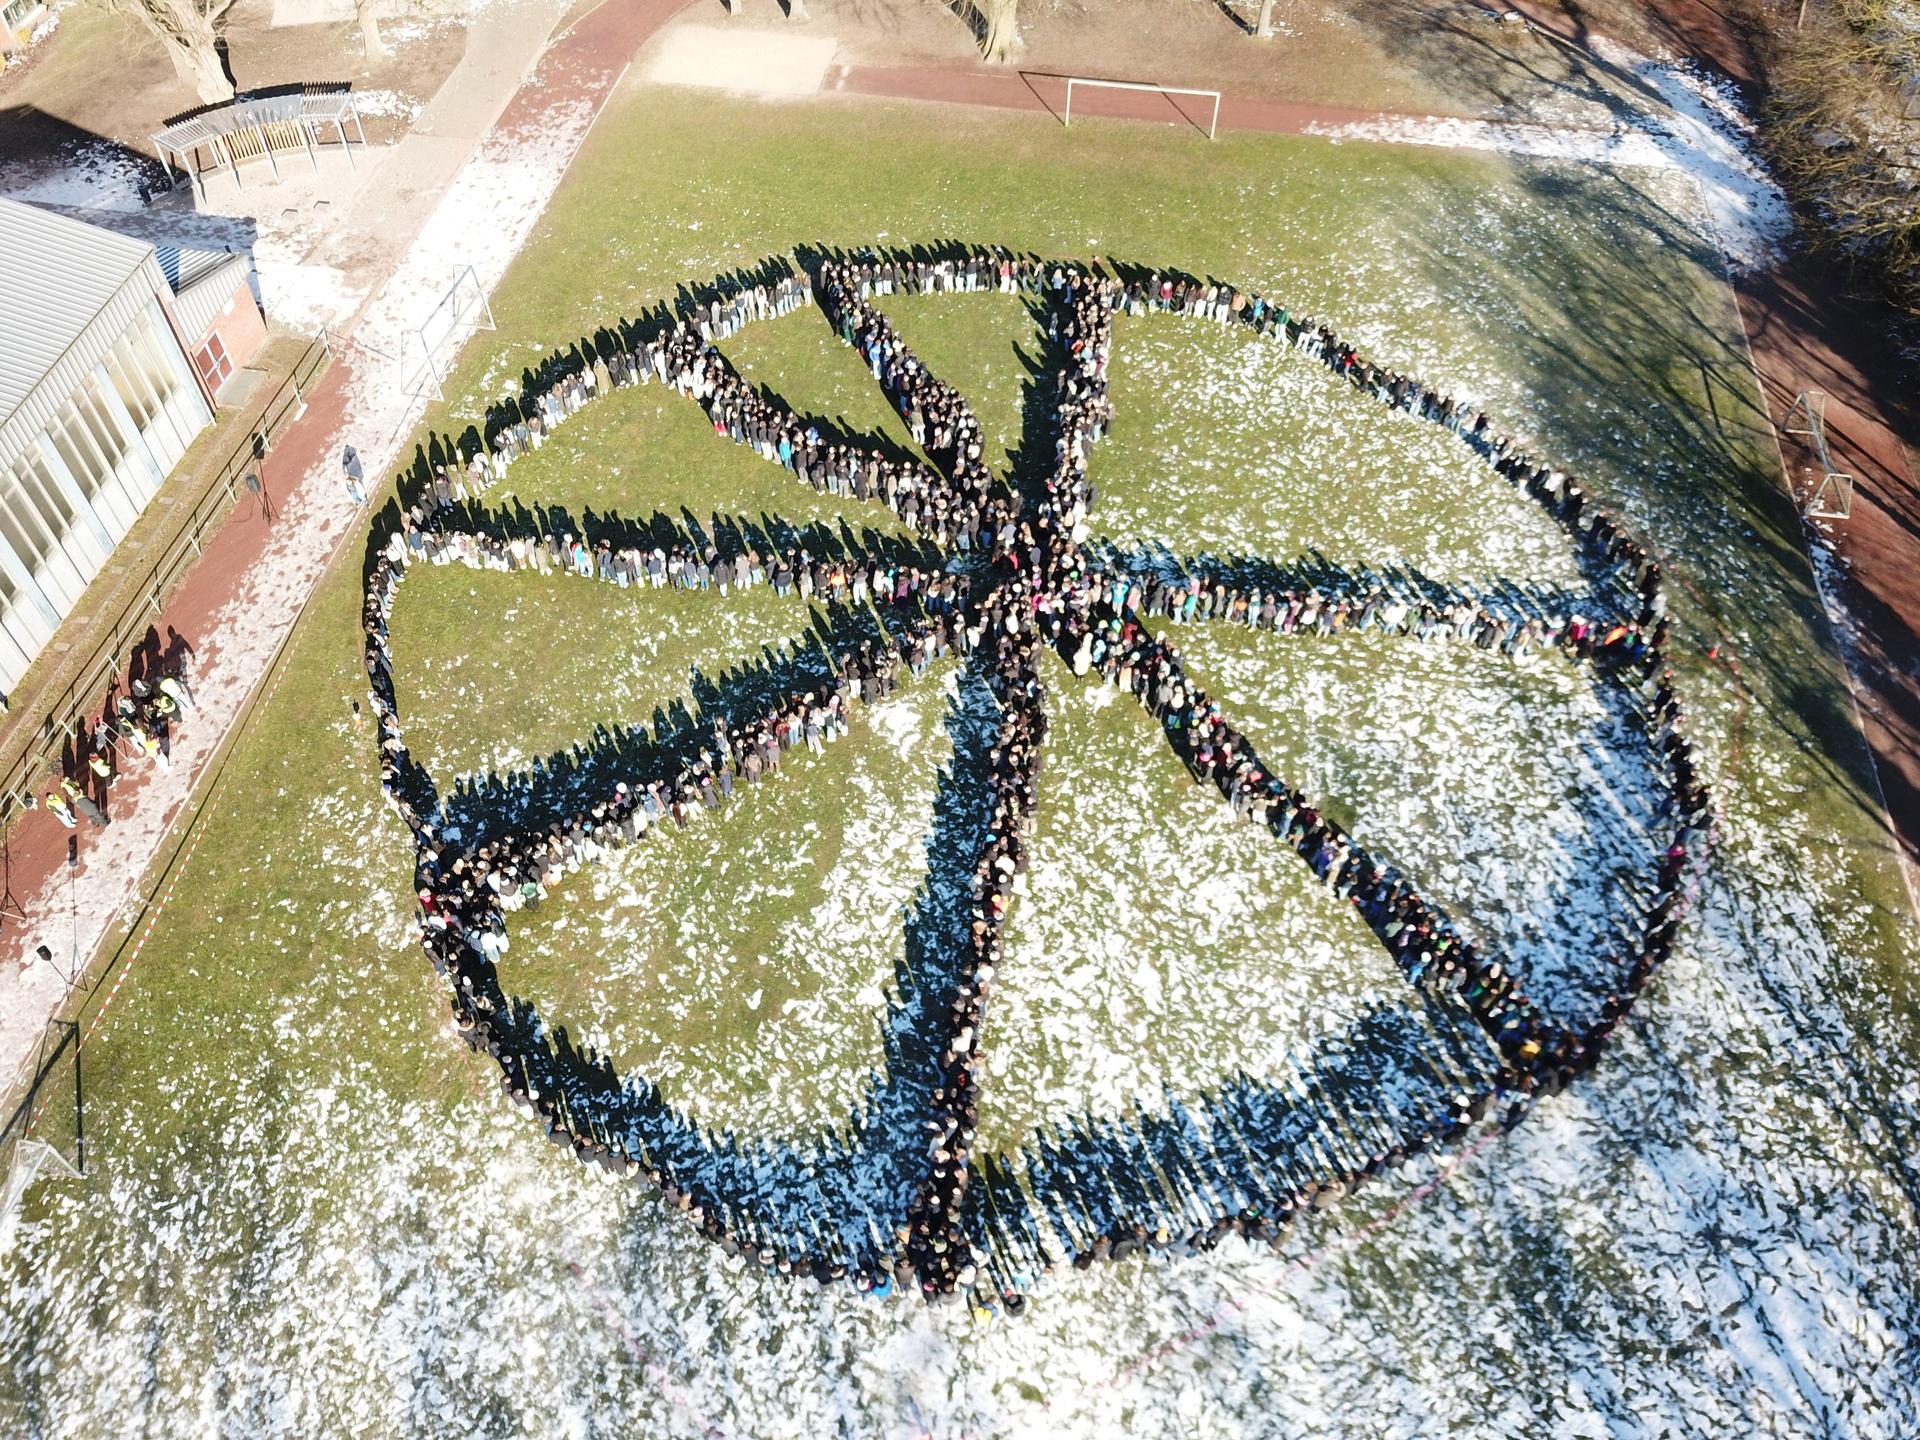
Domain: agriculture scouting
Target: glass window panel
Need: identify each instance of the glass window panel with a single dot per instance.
(99, 457)
(46, 497)
(132, 387)
(18, 525)
(106, 430)
(80, 464)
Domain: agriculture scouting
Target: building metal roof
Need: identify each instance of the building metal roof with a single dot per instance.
(67, 290)
(187, 265)
(207, 280)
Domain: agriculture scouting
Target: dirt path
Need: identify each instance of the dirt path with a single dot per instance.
(1006, 89)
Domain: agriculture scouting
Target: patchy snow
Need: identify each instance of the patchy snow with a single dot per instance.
(388, 102)
(660, 919)
(1682, 1248)
(1161, 949)
(1680, 119)
(1230, 447)
(1400, 739)
(47, 24)
(1830, 580)
(1715, 1235)
(98, 175)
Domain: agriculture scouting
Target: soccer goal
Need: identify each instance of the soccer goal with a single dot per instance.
(1832, 498)
(1147, 87)
(31, 1159)
(458, 313)
(44, 1133)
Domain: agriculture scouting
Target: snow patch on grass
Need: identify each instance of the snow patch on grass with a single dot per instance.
(1682, 120)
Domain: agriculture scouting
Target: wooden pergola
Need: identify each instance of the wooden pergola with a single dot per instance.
(247, 129)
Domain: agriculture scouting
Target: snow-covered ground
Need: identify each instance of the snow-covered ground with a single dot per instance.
(1678, 118)
(1716, 1235)
(808, 982)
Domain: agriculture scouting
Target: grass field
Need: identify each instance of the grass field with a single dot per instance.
(309, 1213)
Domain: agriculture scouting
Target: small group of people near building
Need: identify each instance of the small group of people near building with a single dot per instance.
(135, 725)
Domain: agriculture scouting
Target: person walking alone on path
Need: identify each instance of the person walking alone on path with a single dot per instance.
(356, 476)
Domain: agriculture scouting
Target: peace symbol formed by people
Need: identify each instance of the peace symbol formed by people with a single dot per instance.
(1002, 569)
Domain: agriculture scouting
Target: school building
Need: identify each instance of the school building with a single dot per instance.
(113, 354)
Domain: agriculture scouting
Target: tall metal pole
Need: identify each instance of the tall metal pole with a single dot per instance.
(79, 1107)
(73, 906)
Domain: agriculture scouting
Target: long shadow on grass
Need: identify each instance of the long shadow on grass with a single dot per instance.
(841, 1196)
(1676, 433)
(566, 782)
(1402, 1074)
(1592, 910)
(1501, 596)
(717, 536)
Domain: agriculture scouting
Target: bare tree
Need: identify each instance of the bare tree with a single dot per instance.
(1837, 131)
(186, 30)
(1002, 35)
(370, 41)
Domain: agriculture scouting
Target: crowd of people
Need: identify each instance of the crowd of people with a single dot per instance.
(1025, 577)
(136, 724)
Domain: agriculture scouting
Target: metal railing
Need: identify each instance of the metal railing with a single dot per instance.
(62, 711)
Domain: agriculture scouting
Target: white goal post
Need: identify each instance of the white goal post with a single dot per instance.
(1149, 87)
(464, 304)
(1832, 498)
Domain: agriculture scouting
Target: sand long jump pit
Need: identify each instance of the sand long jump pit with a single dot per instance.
(750, 61)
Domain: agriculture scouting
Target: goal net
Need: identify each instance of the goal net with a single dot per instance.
(42, 1130)
(1832, 495)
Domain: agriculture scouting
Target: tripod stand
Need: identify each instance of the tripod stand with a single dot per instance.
(9, 903)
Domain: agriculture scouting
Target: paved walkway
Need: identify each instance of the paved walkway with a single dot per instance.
(244, 598)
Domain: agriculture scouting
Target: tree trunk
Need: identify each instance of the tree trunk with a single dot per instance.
(198, 65)
(797, 10)
(1003, 31)
(187, 34)
(370, 41)
(1264, 30)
